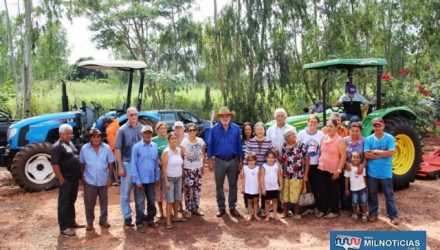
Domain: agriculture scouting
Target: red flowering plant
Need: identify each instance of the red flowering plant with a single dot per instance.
(396, 92)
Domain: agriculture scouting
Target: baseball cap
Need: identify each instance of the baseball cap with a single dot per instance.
(178, 124)
(147, 128)
(378, 120)
(351, 90)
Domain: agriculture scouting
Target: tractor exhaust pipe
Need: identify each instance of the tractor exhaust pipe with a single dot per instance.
(64, 97)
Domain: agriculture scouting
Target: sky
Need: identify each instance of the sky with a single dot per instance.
(80, 38)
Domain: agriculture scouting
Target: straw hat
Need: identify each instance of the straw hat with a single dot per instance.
(225, 111)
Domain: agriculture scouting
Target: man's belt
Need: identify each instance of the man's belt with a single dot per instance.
(223, 158)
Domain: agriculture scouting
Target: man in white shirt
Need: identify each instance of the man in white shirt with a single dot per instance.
(276, 132)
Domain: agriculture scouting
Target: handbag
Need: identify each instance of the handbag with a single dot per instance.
(306, 198)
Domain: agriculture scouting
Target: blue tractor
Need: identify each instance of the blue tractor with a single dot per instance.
(29, 140)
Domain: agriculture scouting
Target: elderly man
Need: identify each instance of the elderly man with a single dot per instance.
(146, 174)
(275, 133)
(66, 166)
(379, 149)
(225, 148)
(128, 135)
(96, 160)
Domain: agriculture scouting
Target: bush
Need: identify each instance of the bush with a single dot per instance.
(399, 93)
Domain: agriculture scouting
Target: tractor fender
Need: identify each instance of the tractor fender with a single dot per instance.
(406, 112)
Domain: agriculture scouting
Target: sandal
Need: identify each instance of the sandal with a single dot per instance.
(169, 226)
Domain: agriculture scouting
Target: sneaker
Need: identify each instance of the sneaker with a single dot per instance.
(289, 214)
(141, 229)
(364, 217)
(372, 218)
(395, 221)
(245, 211)
(330, 215)
(128, 223)
(355, 217)
(68, 232)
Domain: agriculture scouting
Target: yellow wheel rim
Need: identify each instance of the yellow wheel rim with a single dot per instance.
(404, 155)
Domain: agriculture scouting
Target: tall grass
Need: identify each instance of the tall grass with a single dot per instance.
(46, 97)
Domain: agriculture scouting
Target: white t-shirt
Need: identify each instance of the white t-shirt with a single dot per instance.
(275, 134)
(251, 184)
(174, 164)
(313, 141)
(193, 153)
(356, 180)
(271, 177)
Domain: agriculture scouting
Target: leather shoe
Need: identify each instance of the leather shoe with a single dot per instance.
(234, 212)
(104, 224)
(76, 225)
(128, 223)
(221, 212)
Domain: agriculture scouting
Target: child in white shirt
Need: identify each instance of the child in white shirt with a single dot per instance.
(358, 186)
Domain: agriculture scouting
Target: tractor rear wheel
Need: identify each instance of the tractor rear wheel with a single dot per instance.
(32, 169)
(408, 153)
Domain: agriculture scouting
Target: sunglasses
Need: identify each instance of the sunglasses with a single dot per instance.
(132, 114)
(191, 130)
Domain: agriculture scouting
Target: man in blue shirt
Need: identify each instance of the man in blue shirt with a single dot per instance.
(145, 171)
(128, 135)
(379, 149)
(96, 159)
(225, 148)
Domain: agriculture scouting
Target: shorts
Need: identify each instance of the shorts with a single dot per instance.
(251, 196)
(272, 195)
(291, 190)
(359, 197)
(175, 192)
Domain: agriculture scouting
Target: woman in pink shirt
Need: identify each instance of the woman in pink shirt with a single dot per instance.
(331, 163)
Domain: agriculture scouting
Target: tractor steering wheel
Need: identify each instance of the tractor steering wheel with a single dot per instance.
(96, 106)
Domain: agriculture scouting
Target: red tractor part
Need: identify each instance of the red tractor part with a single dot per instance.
(430, 167)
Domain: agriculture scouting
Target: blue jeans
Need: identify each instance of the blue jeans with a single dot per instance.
(149, 193)
(359, 197)
(349, 117)
(126, 187)
(387, 189)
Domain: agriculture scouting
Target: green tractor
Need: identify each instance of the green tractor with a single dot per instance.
(400, 121)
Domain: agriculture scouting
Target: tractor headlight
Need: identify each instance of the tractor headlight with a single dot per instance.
(11, 133)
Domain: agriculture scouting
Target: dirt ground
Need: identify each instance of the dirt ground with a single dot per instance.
(29, 221)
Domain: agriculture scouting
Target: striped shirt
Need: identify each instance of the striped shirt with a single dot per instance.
(259, 148)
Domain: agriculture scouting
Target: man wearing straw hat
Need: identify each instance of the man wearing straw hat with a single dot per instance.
(96, 160)
(226, 150)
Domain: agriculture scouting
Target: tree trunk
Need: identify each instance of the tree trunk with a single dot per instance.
(27, 66)
(218, 56)
(12, 61)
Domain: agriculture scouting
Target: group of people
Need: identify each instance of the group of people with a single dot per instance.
(155, 169)
(275, 167)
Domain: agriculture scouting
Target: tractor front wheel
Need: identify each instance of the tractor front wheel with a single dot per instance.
(408, 153)
(32, 169)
